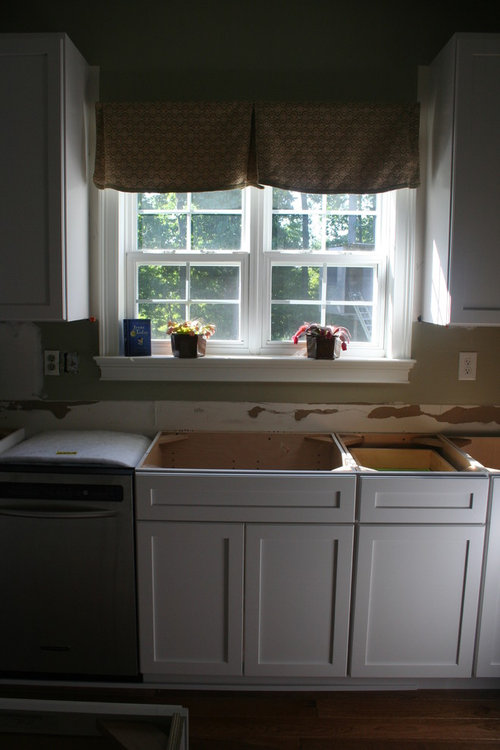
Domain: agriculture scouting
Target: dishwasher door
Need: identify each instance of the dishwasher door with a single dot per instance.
(67, 576)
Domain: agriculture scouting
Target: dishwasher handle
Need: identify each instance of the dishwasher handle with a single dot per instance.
(69, 513)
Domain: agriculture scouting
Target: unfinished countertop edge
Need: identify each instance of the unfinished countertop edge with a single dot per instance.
(255, 369)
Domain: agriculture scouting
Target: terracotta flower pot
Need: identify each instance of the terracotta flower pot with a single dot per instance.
(320, 347)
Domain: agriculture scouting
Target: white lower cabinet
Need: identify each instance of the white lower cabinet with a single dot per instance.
(415, 608)
(190, 597)
(297, 598)
(488, 657)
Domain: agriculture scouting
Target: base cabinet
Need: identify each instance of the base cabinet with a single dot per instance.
(416, 600)
(296, 599)
(488, 658)
(190, 597)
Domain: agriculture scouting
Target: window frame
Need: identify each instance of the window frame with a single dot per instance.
(254, 362)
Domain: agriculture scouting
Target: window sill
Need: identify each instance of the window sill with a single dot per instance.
(280, 369)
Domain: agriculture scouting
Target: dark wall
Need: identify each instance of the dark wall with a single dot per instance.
(255, 48)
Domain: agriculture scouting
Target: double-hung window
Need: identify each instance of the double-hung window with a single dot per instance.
(258, 263)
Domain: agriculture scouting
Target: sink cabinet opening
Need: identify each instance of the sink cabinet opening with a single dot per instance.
(266, 451)
(405, 452)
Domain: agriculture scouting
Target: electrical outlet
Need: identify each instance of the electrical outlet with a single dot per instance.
(467, 363)
(51, 362)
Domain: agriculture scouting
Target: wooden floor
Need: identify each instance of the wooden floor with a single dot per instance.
(406, 720)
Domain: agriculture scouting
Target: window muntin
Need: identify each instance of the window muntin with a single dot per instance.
(315, 258)
(179, 291)
(307, 222)
(197, 222)
(325, 294)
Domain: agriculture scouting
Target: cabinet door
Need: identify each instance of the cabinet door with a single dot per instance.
(488, 661)
(297, 584)
(415, 611)
(462, 263)
(475, 260)
(190, 597)
(43, 179)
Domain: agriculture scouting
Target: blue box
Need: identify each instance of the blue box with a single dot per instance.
(136, 337)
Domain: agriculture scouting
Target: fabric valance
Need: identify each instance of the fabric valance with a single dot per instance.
(308, 147)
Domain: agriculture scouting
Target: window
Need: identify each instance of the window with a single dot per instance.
(182, 261)
(258, 264)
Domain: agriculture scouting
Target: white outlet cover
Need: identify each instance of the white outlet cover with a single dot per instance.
(467, 364)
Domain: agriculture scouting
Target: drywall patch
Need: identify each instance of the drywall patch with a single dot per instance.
(58, 409)
(298, 414)
(301, 414)
(254, 413)
(452, 415)
(399, 412)
(481, 414)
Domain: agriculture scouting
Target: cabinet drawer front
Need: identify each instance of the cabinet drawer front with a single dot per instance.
(245, 496)
(423, 499)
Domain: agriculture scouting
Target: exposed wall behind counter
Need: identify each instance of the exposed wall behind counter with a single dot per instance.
(433, 380)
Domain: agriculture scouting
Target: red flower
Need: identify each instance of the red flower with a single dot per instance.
(327, 332)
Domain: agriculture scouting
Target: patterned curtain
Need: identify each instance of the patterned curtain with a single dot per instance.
(308, 147)
(178, 147)
(337, 148)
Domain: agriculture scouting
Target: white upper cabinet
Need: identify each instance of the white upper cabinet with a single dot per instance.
(462, 243)
(44, 106)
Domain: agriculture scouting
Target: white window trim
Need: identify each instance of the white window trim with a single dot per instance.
(109, 232)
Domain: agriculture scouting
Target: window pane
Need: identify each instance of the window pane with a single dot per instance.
(288, 199)
(286, 319)
(296, 282)
(222, 199)
(161, 231)
(160, 314)
(216, 232)
(349, 283)
(358, 319)
(224, 317)
(351, 202)
(161, 282)
(215, 282)
(161, 201)
(296, 232)
(347, 230)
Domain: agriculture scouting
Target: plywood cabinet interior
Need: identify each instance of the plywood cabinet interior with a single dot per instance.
(45, 92)
(462, 122)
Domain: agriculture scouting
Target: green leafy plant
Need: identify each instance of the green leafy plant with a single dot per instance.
(191, 328)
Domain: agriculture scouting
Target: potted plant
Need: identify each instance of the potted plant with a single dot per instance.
(323, 342)
(189, 338)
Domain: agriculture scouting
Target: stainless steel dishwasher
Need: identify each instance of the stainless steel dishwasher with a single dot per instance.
(67, 572)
